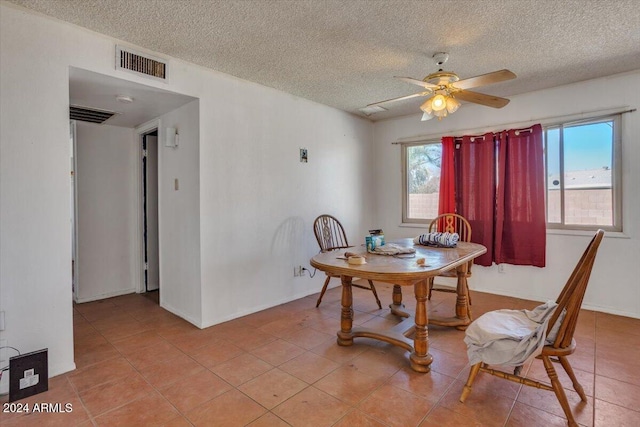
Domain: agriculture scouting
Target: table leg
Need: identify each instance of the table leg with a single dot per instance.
(420, 357)
(345, 337)
(396, 306)
(463, 311)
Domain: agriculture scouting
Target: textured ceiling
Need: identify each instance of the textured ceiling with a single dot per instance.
(344, 53)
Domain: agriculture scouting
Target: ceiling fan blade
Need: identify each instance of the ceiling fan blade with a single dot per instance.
(417, 82)
(481, 98)
(400, 98)
(484, 79)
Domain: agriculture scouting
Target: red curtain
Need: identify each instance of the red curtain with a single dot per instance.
(476, 189)
(520, 234)
(447, 200)
(497, 184)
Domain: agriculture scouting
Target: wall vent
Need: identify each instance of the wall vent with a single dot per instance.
(91, 115)
(139, 63)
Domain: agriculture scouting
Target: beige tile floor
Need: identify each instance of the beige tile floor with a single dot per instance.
(138, 365)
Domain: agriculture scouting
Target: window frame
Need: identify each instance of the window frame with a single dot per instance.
(405, 181)
(616, 174)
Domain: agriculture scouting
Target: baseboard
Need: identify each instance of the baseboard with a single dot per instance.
(179, 313)
(55, 370)
(609, 310)
(257, 309)
(600, 309)
(105, 295)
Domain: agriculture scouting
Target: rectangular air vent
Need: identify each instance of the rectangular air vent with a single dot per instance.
(127, 59)
(91, 115)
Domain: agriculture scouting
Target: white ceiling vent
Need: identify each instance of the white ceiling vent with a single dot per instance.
(141, 63)
(91, 115)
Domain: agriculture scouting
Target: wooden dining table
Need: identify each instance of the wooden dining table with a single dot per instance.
(403, 270)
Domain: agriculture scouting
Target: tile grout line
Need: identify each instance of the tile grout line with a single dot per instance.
(155, 389)
(340, 364)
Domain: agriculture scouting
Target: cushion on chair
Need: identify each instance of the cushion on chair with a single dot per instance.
(508, 337)
(444, 240)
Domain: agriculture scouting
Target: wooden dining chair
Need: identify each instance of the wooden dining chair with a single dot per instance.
(331, 236)
(450, 223)
(569, 303)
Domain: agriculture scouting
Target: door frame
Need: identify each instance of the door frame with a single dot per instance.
(74, 243)
(141, 131)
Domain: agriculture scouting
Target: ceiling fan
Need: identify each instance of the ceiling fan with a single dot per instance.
(444, 88)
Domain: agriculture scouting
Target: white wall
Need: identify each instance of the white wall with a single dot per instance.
(35, 229)
(106, 182)
(257, 202)
(614, 283)
(179, 214)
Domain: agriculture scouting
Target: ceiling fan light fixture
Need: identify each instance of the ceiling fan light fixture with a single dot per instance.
(452, 104)
(426, 107)
(426, 116)
(439, 102)
(442, 88)
(440, 113)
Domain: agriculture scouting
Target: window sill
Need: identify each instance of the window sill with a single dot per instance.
(562, 232)
(551, 231)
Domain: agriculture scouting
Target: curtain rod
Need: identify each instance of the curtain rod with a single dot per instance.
(546, 121)
(517, 132)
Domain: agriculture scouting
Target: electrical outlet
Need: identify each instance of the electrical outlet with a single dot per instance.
(298, 271)
(502, 268)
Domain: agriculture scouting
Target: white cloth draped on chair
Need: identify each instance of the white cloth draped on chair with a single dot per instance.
(509, 337)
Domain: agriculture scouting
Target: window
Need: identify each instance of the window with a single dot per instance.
(421, 185)
(582, 173)
(583, 179)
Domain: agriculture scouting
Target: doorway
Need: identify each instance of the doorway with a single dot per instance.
(150, 211)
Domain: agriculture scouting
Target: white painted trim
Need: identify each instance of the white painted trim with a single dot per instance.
(76, 264)
(130, 290)
(262, 307)
(599, 309)
(160, 171)
(182, 315)
(420, 225)
(148, 126)
(141, 130)
(568, 232)
(56, 370)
